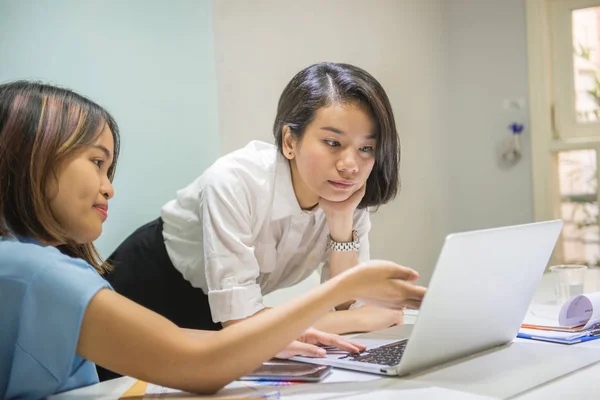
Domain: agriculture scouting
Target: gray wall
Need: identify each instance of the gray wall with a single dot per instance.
(150, 63)
(447, 66)
(261, 45)
(487, 63)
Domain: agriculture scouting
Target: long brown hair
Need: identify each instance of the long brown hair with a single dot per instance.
(324, 84)
(40, 127)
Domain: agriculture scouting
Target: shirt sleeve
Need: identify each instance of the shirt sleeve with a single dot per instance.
(52, 313)
(231, 266)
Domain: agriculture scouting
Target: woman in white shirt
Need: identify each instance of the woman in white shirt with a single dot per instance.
(264, 217)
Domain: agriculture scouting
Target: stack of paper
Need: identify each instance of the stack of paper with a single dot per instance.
(578, 320)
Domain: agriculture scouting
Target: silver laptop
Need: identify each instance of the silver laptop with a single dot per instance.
(477, 298)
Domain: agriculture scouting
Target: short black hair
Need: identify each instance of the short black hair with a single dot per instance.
(327, 83)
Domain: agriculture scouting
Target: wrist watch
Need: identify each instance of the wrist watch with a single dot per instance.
(354, 245)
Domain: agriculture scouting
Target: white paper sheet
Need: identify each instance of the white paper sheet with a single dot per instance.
(418, 394)
(542, 314)
(581, 310)
(341, 375)
(235, 389)
(260, 388)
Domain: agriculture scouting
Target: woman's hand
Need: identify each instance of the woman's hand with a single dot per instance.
(342, 208)
(308, 345)
(340, 215)
(383, 283)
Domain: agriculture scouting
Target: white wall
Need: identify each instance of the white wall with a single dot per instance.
(150, 63)
(487, 63)
(260, 45)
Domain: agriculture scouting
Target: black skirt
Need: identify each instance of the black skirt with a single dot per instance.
(144, 273)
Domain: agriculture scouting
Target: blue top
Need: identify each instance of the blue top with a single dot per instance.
(44, 296)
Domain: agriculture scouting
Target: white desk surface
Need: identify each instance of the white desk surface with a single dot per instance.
(581, 384)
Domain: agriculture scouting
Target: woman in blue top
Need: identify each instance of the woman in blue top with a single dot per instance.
(58, 154)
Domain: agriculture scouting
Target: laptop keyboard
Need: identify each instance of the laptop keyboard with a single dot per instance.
(389, 354)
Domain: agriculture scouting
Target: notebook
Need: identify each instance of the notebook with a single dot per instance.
(578, 320)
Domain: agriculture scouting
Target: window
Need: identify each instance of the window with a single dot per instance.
(564, 86)
(578, 184)
(575, 27)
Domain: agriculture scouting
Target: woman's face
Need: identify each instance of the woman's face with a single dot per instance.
(335, 156)
(79, 197)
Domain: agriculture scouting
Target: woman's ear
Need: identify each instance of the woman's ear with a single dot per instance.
(288, 142)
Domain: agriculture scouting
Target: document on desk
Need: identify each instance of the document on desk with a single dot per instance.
(240, 389)
(236, 390)
(576, 321)
(581, 312)
(418, 394)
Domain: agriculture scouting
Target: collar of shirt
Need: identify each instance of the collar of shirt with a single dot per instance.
(285, 203)
(27, 239)
(21, 239)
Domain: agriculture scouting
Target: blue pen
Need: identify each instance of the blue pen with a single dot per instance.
(274, 395)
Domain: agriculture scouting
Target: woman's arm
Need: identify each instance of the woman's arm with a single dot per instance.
(129, 339)
(340, 229)
(301, 347)
(124, 337)
(363, 319)
(342, 219)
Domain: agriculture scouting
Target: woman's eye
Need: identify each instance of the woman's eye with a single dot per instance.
(367, 149)
(332, 143)
(99, 163)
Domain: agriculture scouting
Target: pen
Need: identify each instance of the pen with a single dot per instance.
(269, 396)
(274, 395)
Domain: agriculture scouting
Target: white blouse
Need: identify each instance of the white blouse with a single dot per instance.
(238, 232)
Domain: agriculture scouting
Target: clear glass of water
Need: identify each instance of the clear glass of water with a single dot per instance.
(569, 281)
